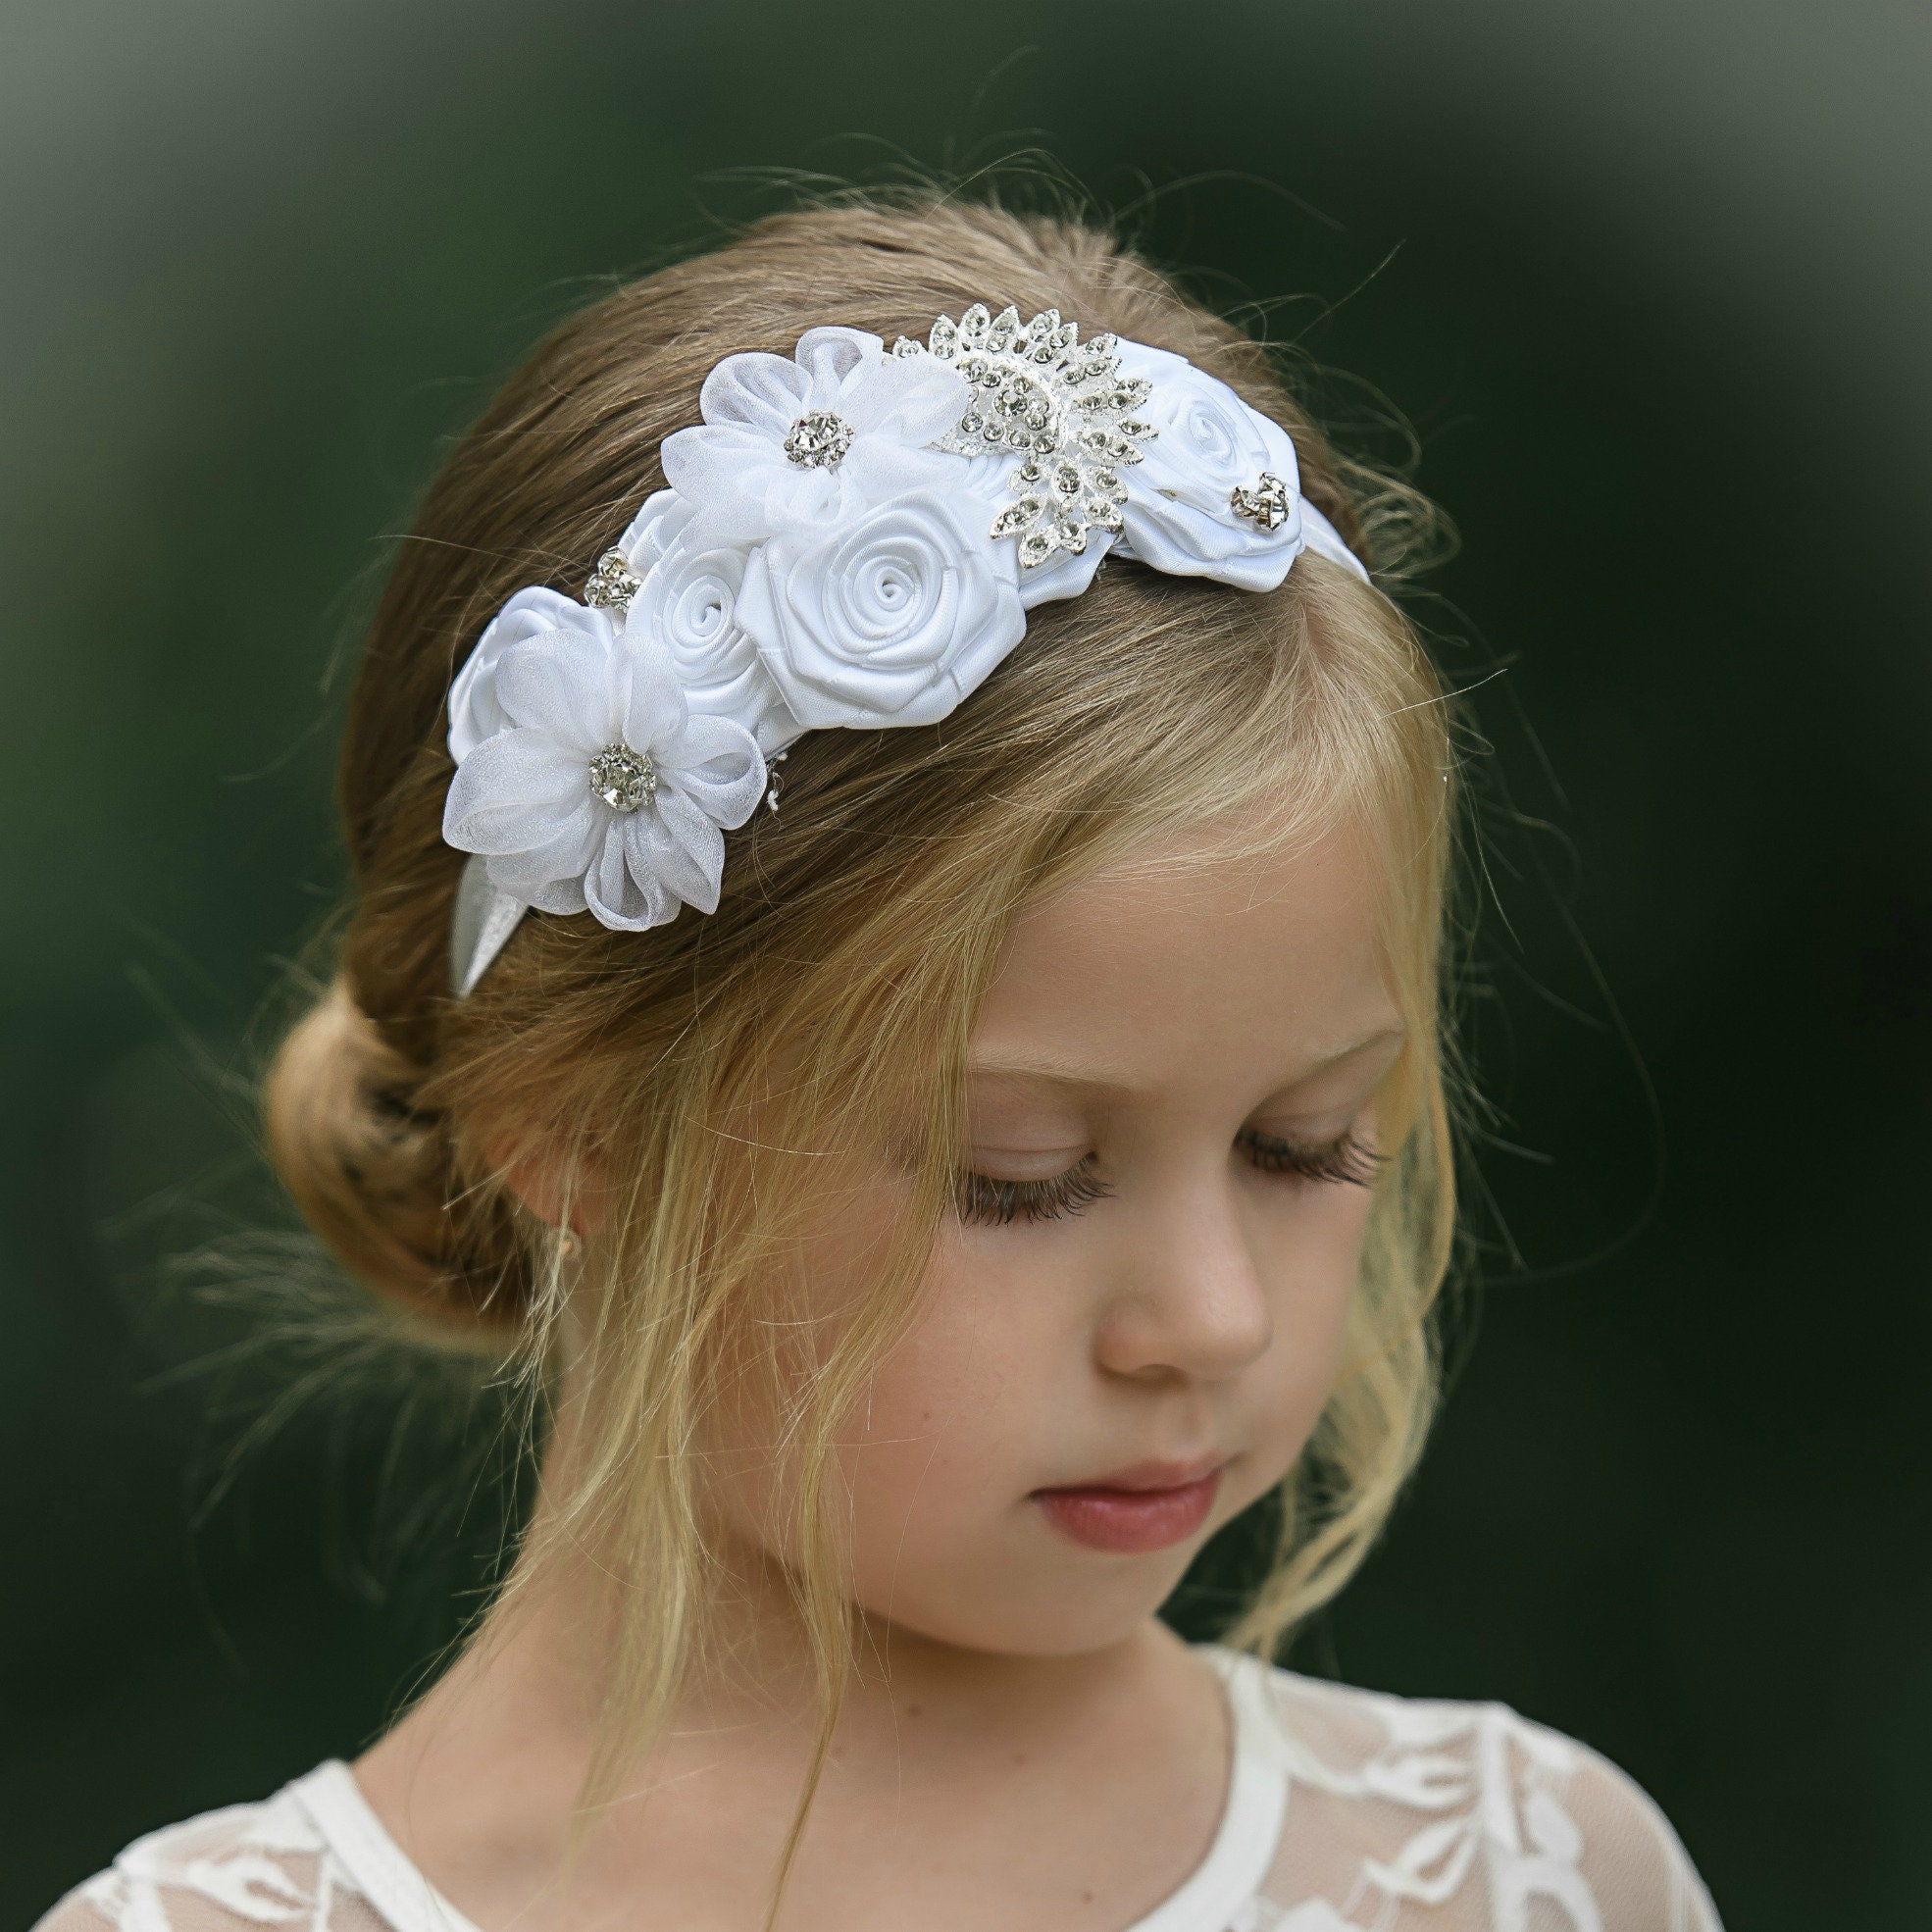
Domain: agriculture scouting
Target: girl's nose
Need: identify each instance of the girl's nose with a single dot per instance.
(1187, 1298)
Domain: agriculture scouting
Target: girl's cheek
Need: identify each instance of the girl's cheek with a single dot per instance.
(980, 1401)
(965, 1402)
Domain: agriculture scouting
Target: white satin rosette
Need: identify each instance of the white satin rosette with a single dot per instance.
(1179, 516)
(686, 606)
(889, 620)
(525, 796)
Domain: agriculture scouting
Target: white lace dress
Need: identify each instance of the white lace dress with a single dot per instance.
(1347, 1811)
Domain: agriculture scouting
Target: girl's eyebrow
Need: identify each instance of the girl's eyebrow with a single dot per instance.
(1049, 1071)
(1045, 1069)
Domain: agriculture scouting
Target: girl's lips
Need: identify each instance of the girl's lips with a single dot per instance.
(1131, 1520)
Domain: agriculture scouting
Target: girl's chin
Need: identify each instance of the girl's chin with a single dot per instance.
(1041, 1620)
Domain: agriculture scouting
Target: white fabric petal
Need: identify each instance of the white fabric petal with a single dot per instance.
(561, 684)
(687, 609)
(741, 487)
(717, 761)
(716, 466)
(913, 399)
(733, 472)
(654, 715)
(788, 494)
(560, 896)
(679, 847)
(474, 713)
(516, 791)
(830, 357)
(765, 393)
(611, 894)
(525, 873)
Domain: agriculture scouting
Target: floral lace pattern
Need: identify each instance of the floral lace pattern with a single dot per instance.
(1396, 1816)
(1463, 1816)
(254, 1864)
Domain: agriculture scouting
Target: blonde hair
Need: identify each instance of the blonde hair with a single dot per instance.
(856, 934)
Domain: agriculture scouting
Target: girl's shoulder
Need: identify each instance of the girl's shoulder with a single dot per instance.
(313, 1855)
(1462, 1815)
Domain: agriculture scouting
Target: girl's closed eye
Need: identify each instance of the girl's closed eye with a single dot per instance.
(985, 1200)
(988, 1200)
(1346, 1158)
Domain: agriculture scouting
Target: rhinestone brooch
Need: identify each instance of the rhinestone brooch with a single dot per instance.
(1040, 392)
(1267, 503)
(623, 778)
(819, 440)
(613, 584)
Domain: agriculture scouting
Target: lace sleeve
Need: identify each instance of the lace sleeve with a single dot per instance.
(1414, 1815)
(240, 1869)
(1634, 1862)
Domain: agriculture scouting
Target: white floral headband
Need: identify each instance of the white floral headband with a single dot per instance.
(853, 538)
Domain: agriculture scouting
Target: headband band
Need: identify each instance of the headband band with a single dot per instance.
(851, 539)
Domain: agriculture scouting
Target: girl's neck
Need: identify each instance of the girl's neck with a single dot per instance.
(540, 1669)
(953, 1755)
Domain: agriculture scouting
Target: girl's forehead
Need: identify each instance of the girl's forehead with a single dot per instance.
(1211, 962)
(1173, 902)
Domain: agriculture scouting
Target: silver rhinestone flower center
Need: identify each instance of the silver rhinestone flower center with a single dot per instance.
(623, 778)
(819, 440)
(1060, 403)
(613, 584)
(1267, 503)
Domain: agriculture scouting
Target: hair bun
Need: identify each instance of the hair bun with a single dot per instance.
(374, 1173)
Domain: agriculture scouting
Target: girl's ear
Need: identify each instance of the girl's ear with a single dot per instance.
(536, 1176)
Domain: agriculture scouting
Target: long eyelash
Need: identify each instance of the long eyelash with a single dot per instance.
(1344, 1159)
(986, 1202)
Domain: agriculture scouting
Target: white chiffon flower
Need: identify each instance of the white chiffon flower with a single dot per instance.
(814, 438)
(687, 607)
(593, 787)
(889, 621)
(1179, 513)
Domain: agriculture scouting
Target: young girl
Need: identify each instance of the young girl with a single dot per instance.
(900, 860)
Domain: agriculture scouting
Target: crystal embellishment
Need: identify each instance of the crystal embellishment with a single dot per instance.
(613, 584)
(1040, 392)
(819, 440)
(623, 778)
(1268, 503)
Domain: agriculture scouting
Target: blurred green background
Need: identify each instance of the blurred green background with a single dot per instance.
(1651, 280)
